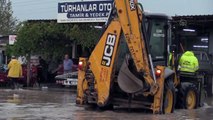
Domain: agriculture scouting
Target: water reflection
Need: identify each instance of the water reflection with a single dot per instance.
(15, 98)
(57, 105)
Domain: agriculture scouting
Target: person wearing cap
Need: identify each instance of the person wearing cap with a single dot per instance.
(15, 71)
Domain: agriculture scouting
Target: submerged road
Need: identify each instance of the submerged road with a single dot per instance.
(59, 104)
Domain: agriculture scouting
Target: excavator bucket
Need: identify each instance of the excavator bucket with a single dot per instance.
(127, 81)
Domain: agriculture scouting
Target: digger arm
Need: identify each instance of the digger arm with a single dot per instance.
(129, 17)
(103, 58)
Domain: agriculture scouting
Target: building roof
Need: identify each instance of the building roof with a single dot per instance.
(193, 20)
(207, 15)
(199, 21)
(42, 20)
(55, 20)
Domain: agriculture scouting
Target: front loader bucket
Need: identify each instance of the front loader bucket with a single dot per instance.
(127, 81)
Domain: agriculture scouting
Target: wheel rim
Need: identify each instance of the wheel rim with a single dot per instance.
(191, 100)
(168, 103)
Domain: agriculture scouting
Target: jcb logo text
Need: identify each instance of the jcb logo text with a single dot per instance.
(108, 50)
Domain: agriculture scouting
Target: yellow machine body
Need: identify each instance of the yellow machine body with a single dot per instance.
(103, 59)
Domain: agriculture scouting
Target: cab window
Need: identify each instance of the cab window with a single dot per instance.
(157, 38)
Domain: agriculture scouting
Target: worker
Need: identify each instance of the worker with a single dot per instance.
(170, 60)
(68, 64)
(42, 70)
(15, 71)
(188, 62)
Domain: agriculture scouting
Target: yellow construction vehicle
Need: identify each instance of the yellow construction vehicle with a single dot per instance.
(127, 66)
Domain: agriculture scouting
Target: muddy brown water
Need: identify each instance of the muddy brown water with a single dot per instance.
(49, 104)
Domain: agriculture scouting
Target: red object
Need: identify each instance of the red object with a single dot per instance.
(23, 79)
(158, 73)
(34, 69)
(80, 65)
(60, 69)
(3, 77)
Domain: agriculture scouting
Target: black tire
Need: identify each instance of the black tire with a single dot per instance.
(188, 97)
(169, 97)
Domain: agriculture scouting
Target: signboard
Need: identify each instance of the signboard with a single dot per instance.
(85, 11)
(12, 39)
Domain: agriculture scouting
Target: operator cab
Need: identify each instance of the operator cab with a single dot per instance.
(158, 34)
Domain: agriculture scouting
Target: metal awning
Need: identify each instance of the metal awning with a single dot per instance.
(198, 21)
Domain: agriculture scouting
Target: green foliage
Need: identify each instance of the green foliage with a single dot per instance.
(52, 40)
(9, 50)
(85, 34)
(7, 21)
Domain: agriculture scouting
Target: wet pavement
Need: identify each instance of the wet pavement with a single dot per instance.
(59, 104)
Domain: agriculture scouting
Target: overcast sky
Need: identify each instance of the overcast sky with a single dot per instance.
(47, 9)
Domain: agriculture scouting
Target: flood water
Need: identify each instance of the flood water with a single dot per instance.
(59, 104)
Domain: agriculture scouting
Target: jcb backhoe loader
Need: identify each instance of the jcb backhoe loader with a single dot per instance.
(127, 66)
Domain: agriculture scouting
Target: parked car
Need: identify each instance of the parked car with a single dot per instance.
(68, 79)
(206, 68)
(3, 75)
(205, 64)
(4, 80)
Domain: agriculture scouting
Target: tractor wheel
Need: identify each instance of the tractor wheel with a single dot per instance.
(169, 97)
(191, 98)
(187, 97)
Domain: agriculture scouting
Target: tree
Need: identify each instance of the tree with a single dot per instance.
(7, 21)
(85, 34)
(52, 40)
